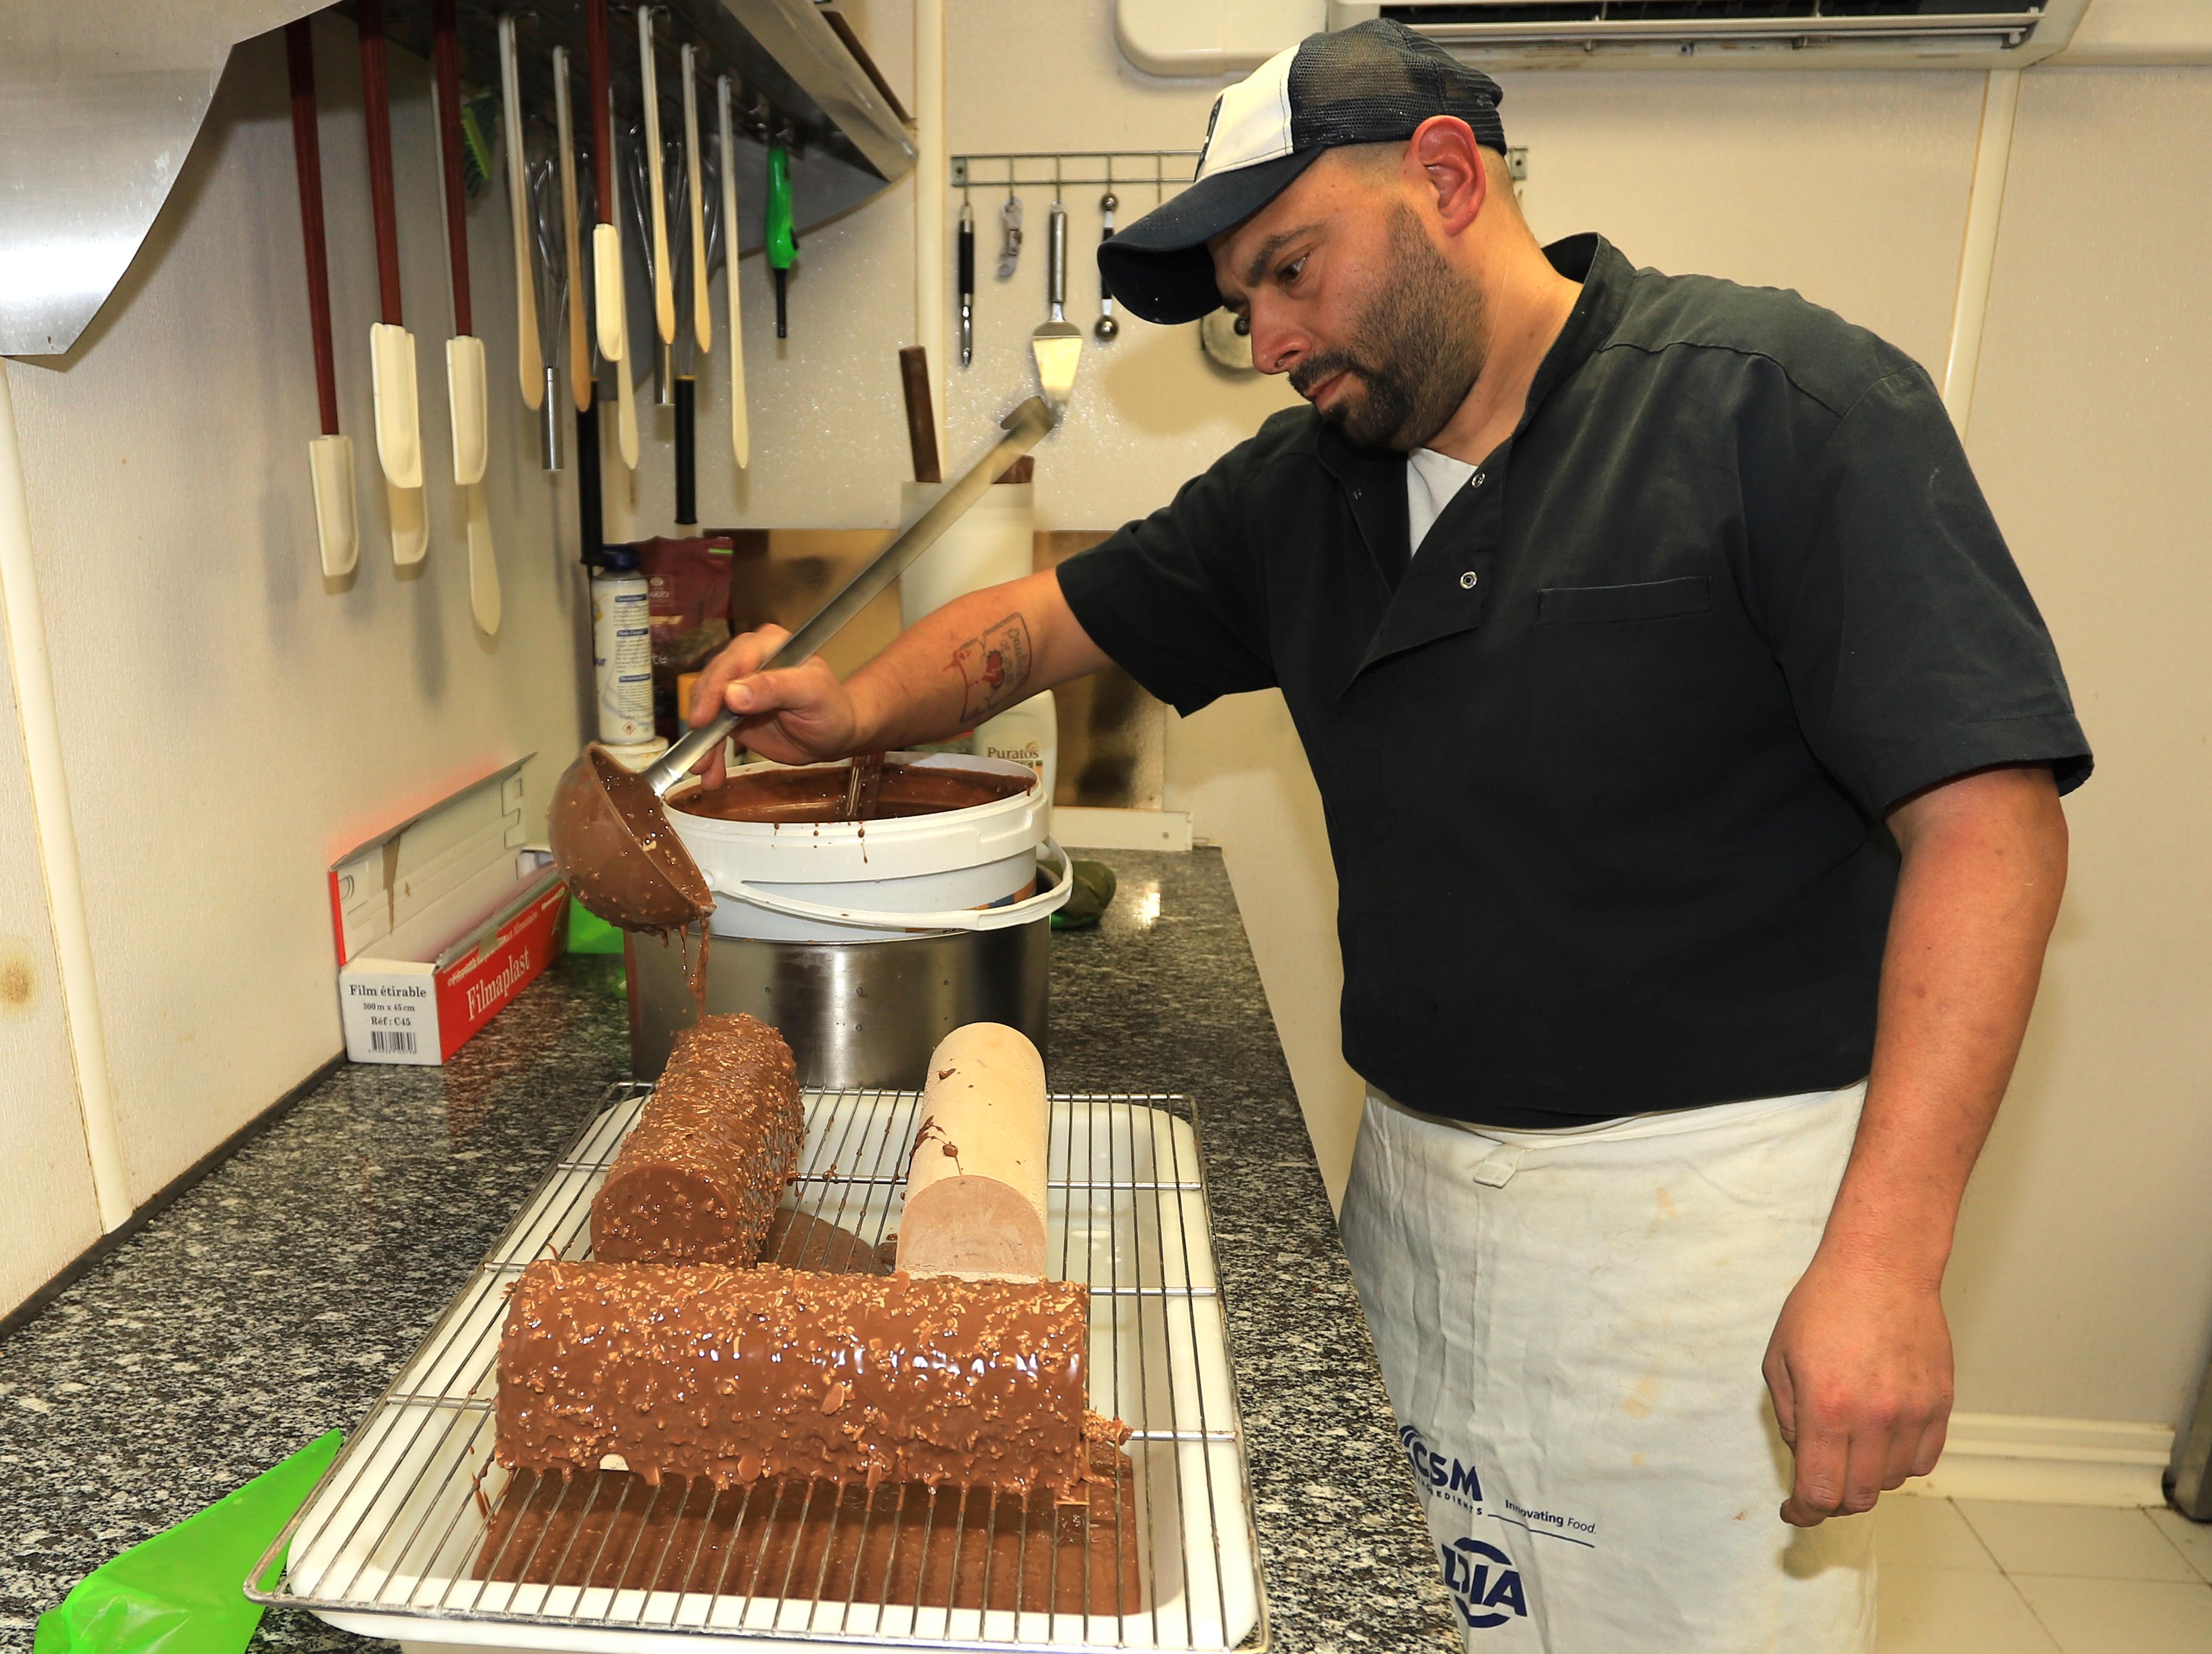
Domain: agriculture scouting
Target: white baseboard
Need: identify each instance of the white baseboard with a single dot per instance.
(2051, 1461)
(1121, 829)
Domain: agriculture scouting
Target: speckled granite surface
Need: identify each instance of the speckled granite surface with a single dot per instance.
(275, 1300)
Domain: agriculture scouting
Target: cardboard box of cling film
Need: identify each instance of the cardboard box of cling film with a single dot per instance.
(441, 921)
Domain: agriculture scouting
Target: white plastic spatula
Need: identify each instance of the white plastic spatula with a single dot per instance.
(391, 346)
(740, 432)
(338, 527)
(330, 456)
(399, 416)
(469, 396)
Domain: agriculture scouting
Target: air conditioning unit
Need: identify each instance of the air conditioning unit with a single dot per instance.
(1737, 33)
(1232, 37)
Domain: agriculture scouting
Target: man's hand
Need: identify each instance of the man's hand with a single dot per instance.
(794, 715)
(976, 656)
(1860, 1370)
(1860, 1363)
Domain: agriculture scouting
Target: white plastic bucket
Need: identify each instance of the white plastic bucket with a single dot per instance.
(974, 868)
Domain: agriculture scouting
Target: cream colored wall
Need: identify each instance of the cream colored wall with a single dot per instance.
(230, 720)
(2084, 1272)
(48, 1213)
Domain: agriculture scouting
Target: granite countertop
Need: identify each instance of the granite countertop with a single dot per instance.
(275, 1299)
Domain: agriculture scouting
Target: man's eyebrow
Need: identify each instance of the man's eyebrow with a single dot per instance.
(1256, 266)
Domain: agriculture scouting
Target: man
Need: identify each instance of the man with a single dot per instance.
(1692, 753)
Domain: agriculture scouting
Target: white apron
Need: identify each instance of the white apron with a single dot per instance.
(1571, 1325)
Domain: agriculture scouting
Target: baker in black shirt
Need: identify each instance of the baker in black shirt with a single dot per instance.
(1691, 752)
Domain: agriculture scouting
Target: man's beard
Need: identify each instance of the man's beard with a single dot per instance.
(1416, 350)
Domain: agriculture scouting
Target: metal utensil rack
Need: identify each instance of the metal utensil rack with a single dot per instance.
(1163, 169)
(1126, 169)
(388, 1543)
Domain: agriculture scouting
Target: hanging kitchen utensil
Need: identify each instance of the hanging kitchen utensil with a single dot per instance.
(542, 180)
(391, 346)
(1010, 227)
(530, 362)
(637, 193)
(606, 238)
(1057, 344)
(610, 837)
(1106, 327)
(625, 386)
(664, 277)
(741, 445)
(702, 309)
(464, 352)
(330, 456)
(780, 245)
(564, 133)
(467, 389)
(591, 519)
(683, 349)
(967, 281)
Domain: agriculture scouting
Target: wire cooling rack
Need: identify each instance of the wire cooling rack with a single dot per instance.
(392, 1542)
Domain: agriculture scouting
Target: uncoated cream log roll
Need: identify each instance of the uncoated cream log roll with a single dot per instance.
(975, 1184)
(698, 1179)
(732, 1375)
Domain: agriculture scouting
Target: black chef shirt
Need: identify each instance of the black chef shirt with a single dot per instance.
(1605, 767)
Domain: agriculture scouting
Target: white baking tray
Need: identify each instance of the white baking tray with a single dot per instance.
(384, 1548)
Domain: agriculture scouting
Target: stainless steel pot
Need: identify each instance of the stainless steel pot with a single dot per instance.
(858, 1015)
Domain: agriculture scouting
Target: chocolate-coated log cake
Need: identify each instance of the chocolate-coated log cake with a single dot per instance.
(698, 1177)
(700, 1370)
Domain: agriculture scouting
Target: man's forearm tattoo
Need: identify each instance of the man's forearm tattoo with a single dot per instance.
(994, 668)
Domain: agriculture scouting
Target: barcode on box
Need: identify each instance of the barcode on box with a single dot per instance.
(394, 1039)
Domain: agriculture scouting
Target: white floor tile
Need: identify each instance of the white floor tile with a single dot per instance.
(1912, 1531)
(2074, 1540)
(2123, 1616)
(1953, 1611)
(2193, 1539)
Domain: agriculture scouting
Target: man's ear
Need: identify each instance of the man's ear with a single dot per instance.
(1451, 166)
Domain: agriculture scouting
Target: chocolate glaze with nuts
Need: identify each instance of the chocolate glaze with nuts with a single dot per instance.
(827, 1542)
(733, 1375)
(698, 1177)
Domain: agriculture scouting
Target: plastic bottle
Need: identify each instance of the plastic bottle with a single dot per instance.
(1028, 733)
(622, 648)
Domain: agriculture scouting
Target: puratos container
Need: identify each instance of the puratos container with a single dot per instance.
(974, 868)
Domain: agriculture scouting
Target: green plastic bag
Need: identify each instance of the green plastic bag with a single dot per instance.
(182, 1591)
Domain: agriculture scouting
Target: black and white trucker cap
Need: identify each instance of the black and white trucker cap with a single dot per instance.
(1373, 83)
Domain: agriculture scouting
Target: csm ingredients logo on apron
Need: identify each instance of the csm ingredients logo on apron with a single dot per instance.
(1486, 1586)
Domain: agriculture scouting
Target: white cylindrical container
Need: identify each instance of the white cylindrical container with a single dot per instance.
(992, 542)
(1027, 734)
(839, 881)
(621, 648)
